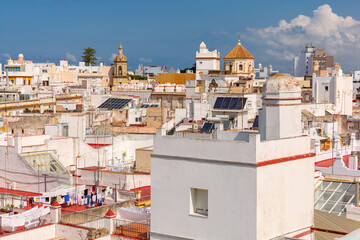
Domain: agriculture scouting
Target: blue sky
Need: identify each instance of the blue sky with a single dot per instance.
(169, 32)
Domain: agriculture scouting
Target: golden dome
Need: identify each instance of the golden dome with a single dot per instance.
(120, 57)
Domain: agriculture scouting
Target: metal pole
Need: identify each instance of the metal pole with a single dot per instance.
(357, 195)
(332, 147)
(45, 182)
(115, 194)
(76, 195)
(38, 180)
(242, 111)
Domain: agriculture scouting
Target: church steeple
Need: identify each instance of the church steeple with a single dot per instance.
(120, 49)
(120, 57)
(120, 68)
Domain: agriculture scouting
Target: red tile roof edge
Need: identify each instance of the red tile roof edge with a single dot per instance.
(110, 214)
(285, 159)
(140, 188)
(55, 204)
(20, 192)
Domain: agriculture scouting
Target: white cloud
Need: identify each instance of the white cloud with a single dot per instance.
(111, 59)
(71, 57)
(145, 60)
(219, 33)
(282, 55)
(5, 56)
(325, 29)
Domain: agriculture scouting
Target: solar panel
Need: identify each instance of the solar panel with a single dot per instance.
(256, 122)
(225, 103)
(231, 103)
(207, 127)
(114, 103)
(241, 103)
(218, 102)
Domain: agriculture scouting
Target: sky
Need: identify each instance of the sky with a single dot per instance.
(169, 32)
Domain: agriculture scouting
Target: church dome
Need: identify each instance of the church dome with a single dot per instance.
(281, 83)
(120, 57)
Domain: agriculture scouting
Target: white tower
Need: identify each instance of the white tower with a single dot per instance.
(280, 115)
(206, 60)
(341, 91)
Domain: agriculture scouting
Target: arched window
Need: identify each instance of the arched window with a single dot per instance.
(240, 67)
(120, 70)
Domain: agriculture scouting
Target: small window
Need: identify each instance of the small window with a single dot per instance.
(326, 88)
(12, 131)
(199, 202)
(240, 67)
(22, 131)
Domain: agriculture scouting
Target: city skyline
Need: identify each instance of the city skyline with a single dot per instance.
(171, 33)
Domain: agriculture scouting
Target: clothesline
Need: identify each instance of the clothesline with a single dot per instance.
(74, 195)
(28, 219)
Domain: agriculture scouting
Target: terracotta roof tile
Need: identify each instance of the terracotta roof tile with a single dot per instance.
(110, 214)
(55, 204)
(239, 52)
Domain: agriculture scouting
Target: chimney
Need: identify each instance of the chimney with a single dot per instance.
(18, 143)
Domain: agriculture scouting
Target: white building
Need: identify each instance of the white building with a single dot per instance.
(237, 185)
(265, 71)
(336, 89)
(24, 72)
(152, 71)
(206, 60)
(356, 82)
(302, 65)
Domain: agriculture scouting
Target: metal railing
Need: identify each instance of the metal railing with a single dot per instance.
(92, 214)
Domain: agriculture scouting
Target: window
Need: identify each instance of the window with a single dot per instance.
(240, 67)
(326, 88)
(24, 81)
(138, 119)
(199, 202)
